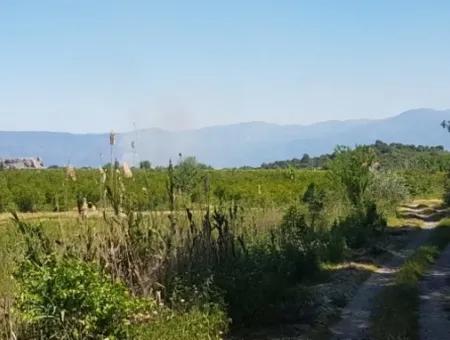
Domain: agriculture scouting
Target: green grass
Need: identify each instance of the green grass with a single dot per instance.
(396, 315)
(51, 190)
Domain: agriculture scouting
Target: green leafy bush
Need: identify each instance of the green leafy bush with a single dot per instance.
(70, 299)
(299, 244)
(194, 324)
(387, 189)
(360, 226)
(351, 170)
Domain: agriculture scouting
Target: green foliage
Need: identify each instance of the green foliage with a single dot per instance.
(51, 190)
(387, 189)
(65, 297)
(299, 242)
(315, 200)
(188, 177)
(446, 196)
(209, 261)
(195, 324)
(305, 162)
(70, 299)
(6, 198)
(361, 226)
(424, 183)
(351, 169)
(394, 157)
(145, 165)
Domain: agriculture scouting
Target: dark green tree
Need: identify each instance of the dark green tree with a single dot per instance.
(314, 198)
(145, 165)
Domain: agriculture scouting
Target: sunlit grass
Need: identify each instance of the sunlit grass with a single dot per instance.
(399, 222)
(369, 267)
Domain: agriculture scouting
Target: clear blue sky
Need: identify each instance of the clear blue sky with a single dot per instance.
(93, 65)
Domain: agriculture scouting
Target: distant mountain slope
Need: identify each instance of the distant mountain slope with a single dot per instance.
(229, 145)
(55, 148)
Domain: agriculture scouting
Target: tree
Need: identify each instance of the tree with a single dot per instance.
(145, 165)
(315, 199)
(305, 159)
(351, 169)
(188, 175)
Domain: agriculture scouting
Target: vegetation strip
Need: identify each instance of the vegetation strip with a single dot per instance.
(396, 314)
(199, 260)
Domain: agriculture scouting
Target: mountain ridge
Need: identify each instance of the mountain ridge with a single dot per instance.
(233, 145)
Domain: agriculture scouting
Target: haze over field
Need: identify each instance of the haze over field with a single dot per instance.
(228, 145)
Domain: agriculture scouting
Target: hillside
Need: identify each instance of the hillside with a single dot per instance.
(231, 145)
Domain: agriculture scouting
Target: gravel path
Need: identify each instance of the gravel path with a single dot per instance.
(355, 317)
(434, 316)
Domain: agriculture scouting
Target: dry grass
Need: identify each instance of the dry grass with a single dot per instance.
(368, 267)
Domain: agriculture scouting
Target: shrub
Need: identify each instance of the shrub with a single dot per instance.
(387, 189)
(335, 245)
(361, 225)
(70, 299)
(447, 190)
(5, 195)
(195, 324)
(315, 200)
(299, 244)
(351, 169)
(27, 199)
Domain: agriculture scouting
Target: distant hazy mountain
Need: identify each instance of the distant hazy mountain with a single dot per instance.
(229, 145)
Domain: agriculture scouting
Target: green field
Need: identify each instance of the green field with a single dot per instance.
(53, 190)
(189, 252)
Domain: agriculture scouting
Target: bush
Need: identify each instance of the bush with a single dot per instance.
(195, 324)
(361, 225)
(447, 190)
(352, 171)
(336, 245)
(27, 200)
(299, 244)
(387, 189)
(5, 195)
(70, 299)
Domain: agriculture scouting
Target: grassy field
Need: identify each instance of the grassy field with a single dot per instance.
(226, 250)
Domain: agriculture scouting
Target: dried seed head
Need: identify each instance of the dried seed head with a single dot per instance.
(127, 173)
(70, 173)
(103, 175)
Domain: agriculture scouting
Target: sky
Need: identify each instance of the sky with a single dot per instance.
(92, 66)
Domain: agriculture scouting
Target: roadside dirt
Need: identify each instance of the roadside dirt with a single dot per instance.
(434, 312)
(355, 317)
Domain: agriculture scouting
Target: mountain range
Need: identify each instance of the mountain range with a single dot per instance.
(227, 145)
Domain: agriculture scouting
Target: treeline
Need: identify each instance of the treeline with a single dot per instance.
(394, 156)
